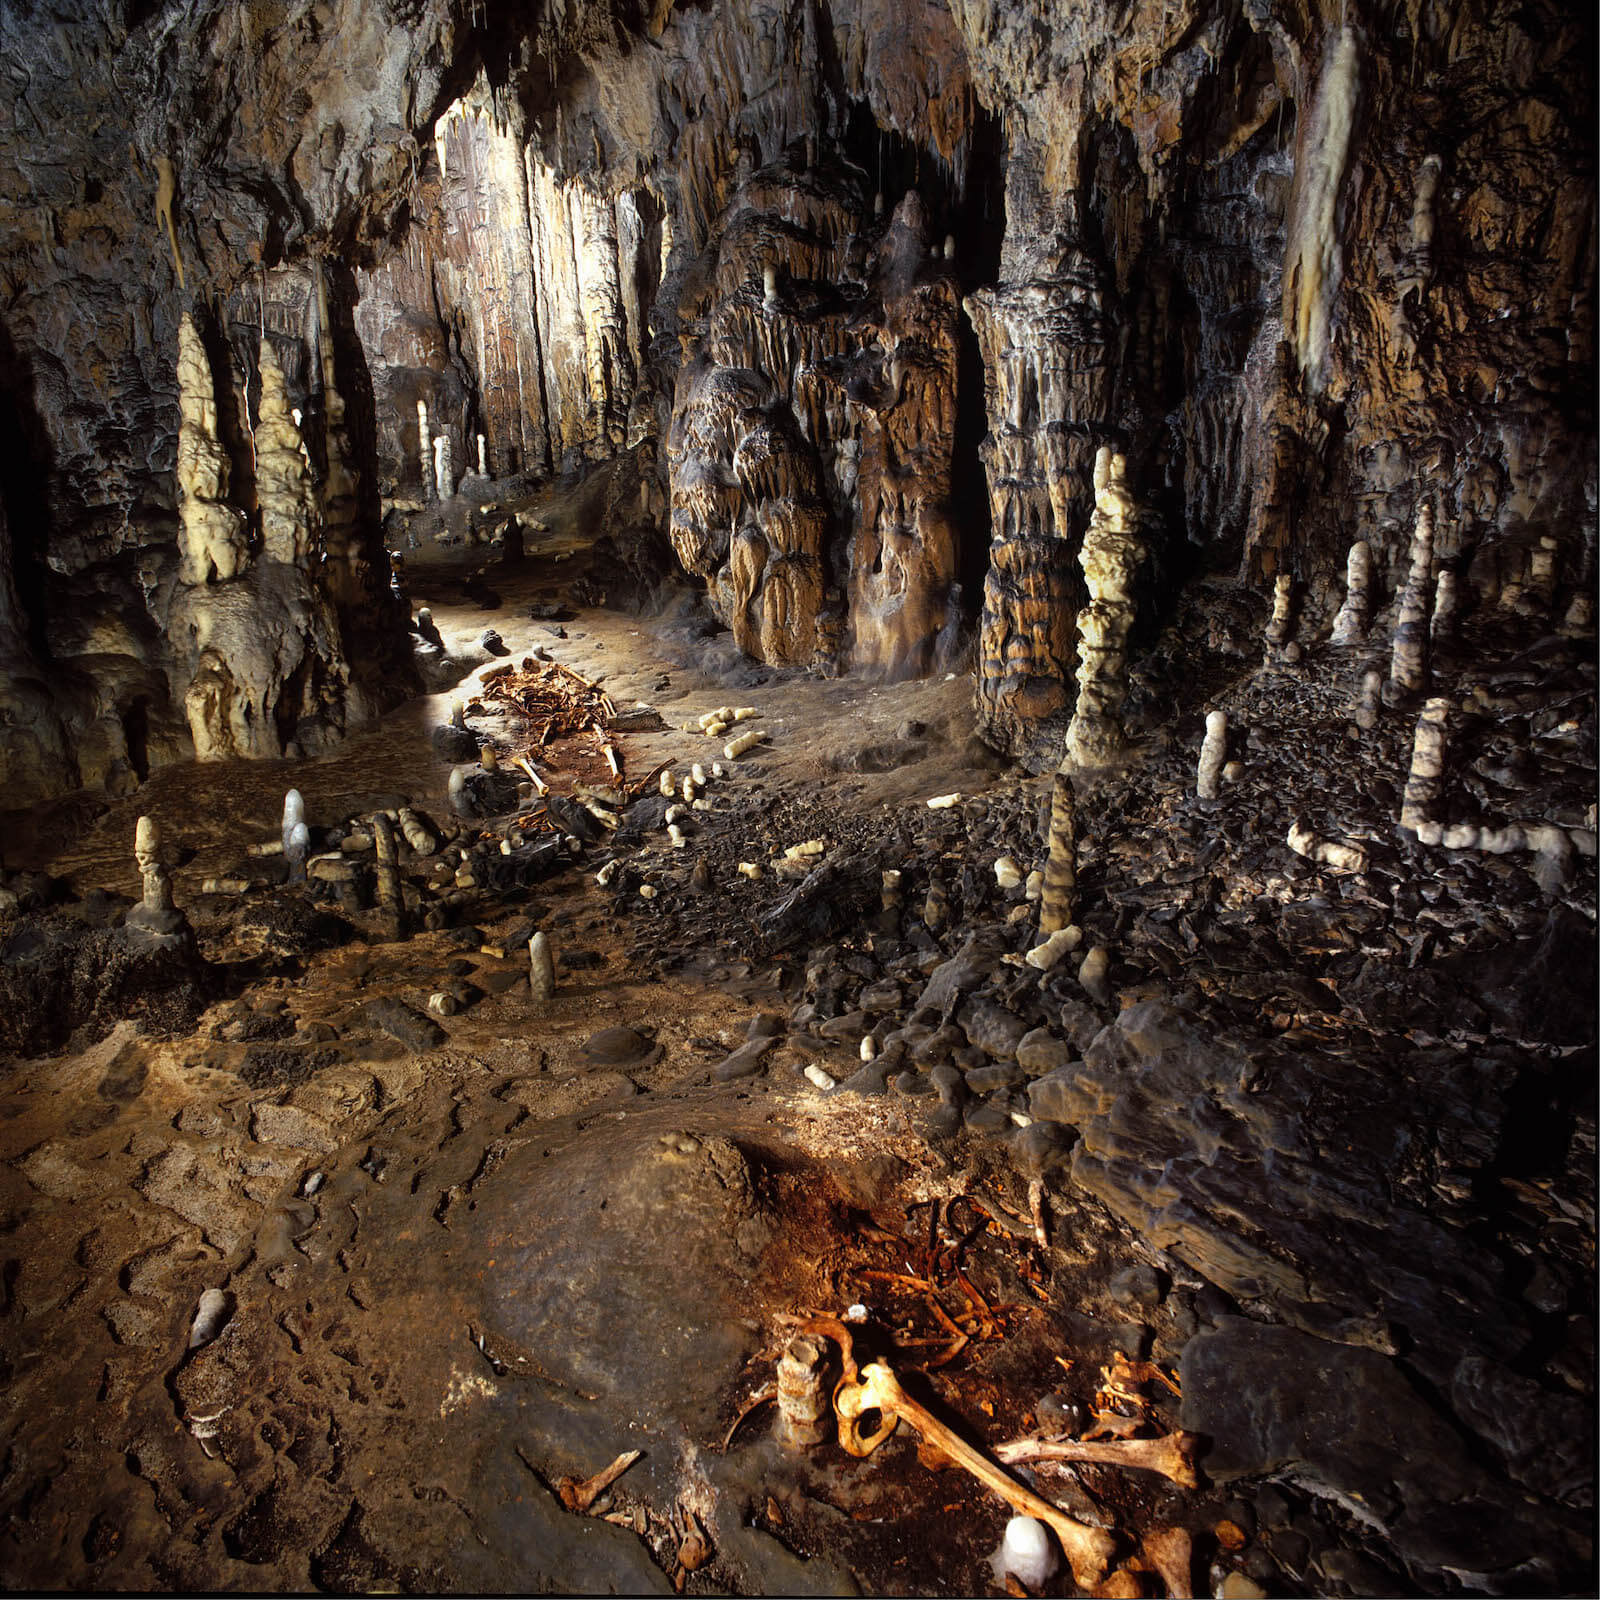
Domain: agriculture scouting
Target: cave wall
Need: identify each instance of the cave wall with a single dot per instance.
(1304, 267)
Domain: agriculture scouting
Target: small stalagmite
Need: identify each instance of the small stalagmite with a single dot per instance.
(1335, 853)
(1282, 619)
(541, 969)
(443, 473)
(294, 811)
(391, 902)
(1350, 626)
(1110, 557)
(155, 913)
(1408, 667)
(1058, 903)
(1427, 767)
(425, 449)
(1213, 752)
(1371, 701)
(1445, 600)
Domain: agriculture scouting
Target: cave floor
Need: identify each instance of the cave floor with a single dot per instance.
(465, 1265)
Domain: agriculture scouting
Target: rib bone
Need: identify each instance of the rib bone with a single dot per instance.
(1172, 1455)
(1087, 1549)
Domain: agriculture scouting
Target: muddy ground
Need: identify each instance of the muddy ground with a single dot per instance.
(463, 1265)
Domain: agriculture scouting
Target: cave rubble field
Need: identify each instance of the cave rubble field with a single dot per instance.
(1253, 1187)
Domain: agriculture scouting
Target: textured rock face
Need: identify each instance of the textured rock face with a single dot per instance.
(1306, 273)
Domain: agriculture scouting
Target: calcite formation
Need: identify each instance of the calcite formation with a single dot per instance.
(1113, 550)
(283, 474)
(213, 541)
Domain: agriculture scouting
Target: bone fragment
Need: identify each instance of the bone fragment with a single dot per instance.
(750, 869)
(698, 774)
(1007, 874)
(1350, 626)
(613, 761)
(541, 969)
(1171, 1552)
(944, 802)
(807, 847)
(666, 785)
(579, 1494)
(1087, 1549)
(1330, 852)
(723, 714)
(442, 1004)
(1034, 887)
(1172, 1455)
(676, 835)
(1092, 974)
(1427, 766)
(418, 832)
(869, 1047)
(647, 891)
(1058, 903)
(820, 1079)
(736, 747)
(1213, 752)
(604, 876)
(540, 787)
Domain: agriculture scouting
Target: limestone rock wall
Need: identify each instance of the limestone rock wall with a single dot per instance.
(1302, 266)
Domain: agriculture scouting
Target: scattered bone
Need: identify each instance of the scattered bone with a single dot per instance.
(541, 969)
(1342, 857)
(443, 1004)
(604, 876)
(723, 714)
(266, 847)
(1350, 626)
(1058, 904)
(647, 891)
(211, 1316)
(1213, 752)
(1087, 1549)
(540, 787)
(676, 835)
(390, 898)
(1427, 766)
(807, 847)
(1172, 1455)
(944, 802)
(735, 748)
(820, 1079)
(666, 784)
(804, 1414)
(1092, 974)
(1007, 874)
(1408, 666)
(698, 774)
(750, 869)
(869, 1047)
(579, 1494)
(1171, 1552)
(1034, 887)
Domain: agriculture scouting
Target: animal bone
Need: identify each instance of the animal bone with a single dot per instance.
(210, 1317)
(735, 748)
(541, 969)
(1062, 942)
(944, 802)
(1007, 874)
(1172, 1455)
(1171, 1552)
(877, 1389)
(540, 787)
(803, 1414)
(579, 1494)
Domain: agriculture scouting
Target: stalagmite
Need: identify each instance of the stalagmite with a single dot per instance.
(156, 882)
(1282, 599)
(1213, 752)
(283, 480)
(542, 968)
(1444, 609)
(769, 288)
(1427, 766)
(425, 449)
(443, 476)
(296, 848)
(1371, 701)
(483, 457)
(212, 538)
(1058, 903)
(390, 899)
(1350, 626)
(294, 811)
(1408, 669)
(1110, 557)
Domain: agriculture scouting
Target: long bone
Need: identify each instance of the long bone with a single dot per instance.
(1172, 1455)
(1087, 1549)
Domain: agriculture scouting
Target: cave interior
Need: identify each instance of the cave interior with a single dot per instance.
(799, 796)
